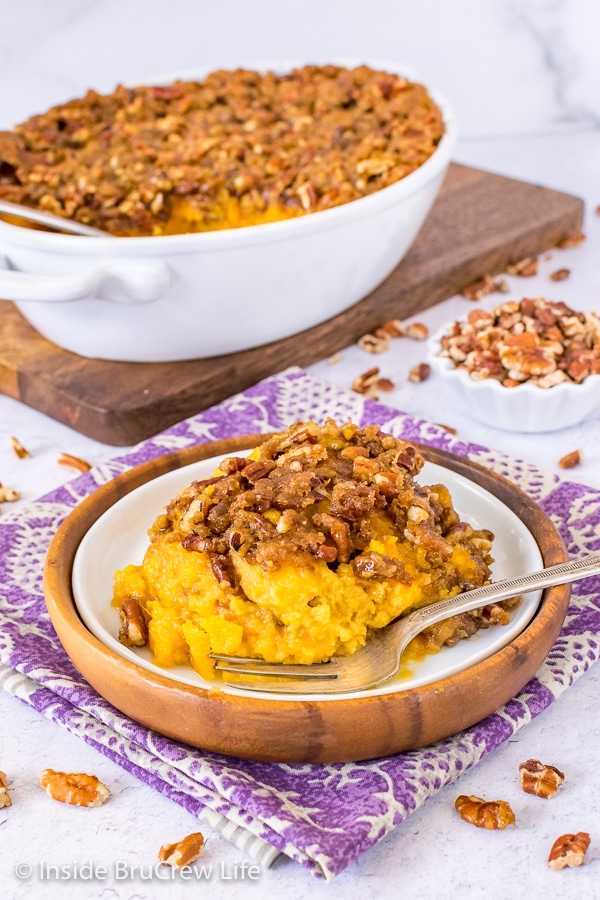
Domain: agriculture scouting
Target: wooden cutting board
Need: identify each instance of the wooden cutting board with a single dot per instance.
(480, 222)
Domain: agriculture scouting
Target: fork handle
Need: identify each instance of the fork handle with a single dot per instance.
(503, 590)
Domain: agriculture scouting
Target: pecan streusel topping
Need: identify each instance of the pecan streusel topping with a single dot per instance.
(239, 148)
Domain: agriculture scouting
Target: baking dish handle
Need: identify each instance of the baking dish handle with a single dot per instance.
(123, 282)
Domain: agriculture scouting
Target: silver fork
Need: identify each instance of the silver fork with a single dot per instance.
(379, 659)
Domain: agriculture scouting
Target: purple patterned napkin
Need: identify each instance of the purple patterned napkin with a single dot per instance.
(322, 816)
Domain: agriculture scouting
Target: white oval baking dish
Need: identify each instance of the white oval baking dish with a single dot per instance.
(189, 296)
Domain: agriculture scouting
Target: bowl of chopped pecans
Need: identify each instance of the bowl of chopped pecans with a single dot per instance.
(532, 366)
(239, 207)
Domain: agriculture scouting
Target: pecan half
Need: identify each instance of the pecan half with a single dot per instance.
(134, 629)
(420, 372)
(75, 788)
(493, 814)
(568, 850)
(536, 778)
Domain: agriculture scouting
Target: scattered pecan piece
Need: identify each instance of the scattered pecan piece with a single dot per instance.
(493, 814)
(536, 778)
(570, 460)
(573, 240)
(526, 267)
(75, 788)
(418, 331)
(560, 274)
(420, 372)
(568, 850)
(65, 459)
(333, 360)
(19, 449)
(392, 329)
(4, 795)
(182, 853)
(480, 288)
(8, 495)
(370, 383)
(134, 628)
(446, 427)
(373, 343)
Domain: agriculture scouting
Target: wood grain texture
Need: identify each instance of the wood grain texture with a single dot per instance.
(479, 223)
(302, 731)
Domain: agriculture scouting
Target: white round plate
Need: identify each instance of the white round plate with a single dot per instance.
(119, 537)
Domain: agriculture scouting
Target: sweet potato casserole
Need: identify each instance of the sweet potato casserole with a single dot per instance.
(239, 148)
(300, 551)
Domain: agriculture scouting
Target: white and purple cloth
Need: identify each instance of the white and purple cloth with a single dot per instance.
(323, 816)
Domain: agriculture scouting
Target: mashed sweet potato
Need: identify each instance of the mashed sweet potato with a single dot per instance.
(300, 551)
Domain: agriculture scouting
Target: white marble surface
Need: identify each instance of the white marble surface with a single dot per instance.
(523, 76)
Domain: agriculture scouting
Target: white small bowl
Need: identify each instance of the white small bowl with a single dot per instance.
(526, 408)
(190, 296)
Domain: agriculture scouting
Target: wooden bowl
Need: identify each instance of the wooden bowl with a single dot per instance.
(319, 731)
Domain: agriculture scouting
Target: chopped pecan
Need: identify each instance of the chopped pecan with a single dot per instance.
(205, 543)
(75, 788)
(418, 331)
(573, 240)
(367, 382)
(568, 850)
(374, 343)
(560, 274)
(339, 531)
(570, 460)
(493, 814)
(134, 628)
(182, 853)
(232, 464)
(392, 329)
(446, 427)
(333, 360)
(4, 795)
(19, 449)
(371, 563)
(526, 267)
(219, 566)
(537, 340)
(66, 459)
(307, 195)
(258, 469)
(420, 372)
(480, 288)
(493, 612)
(539, 779)
(8, 495)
